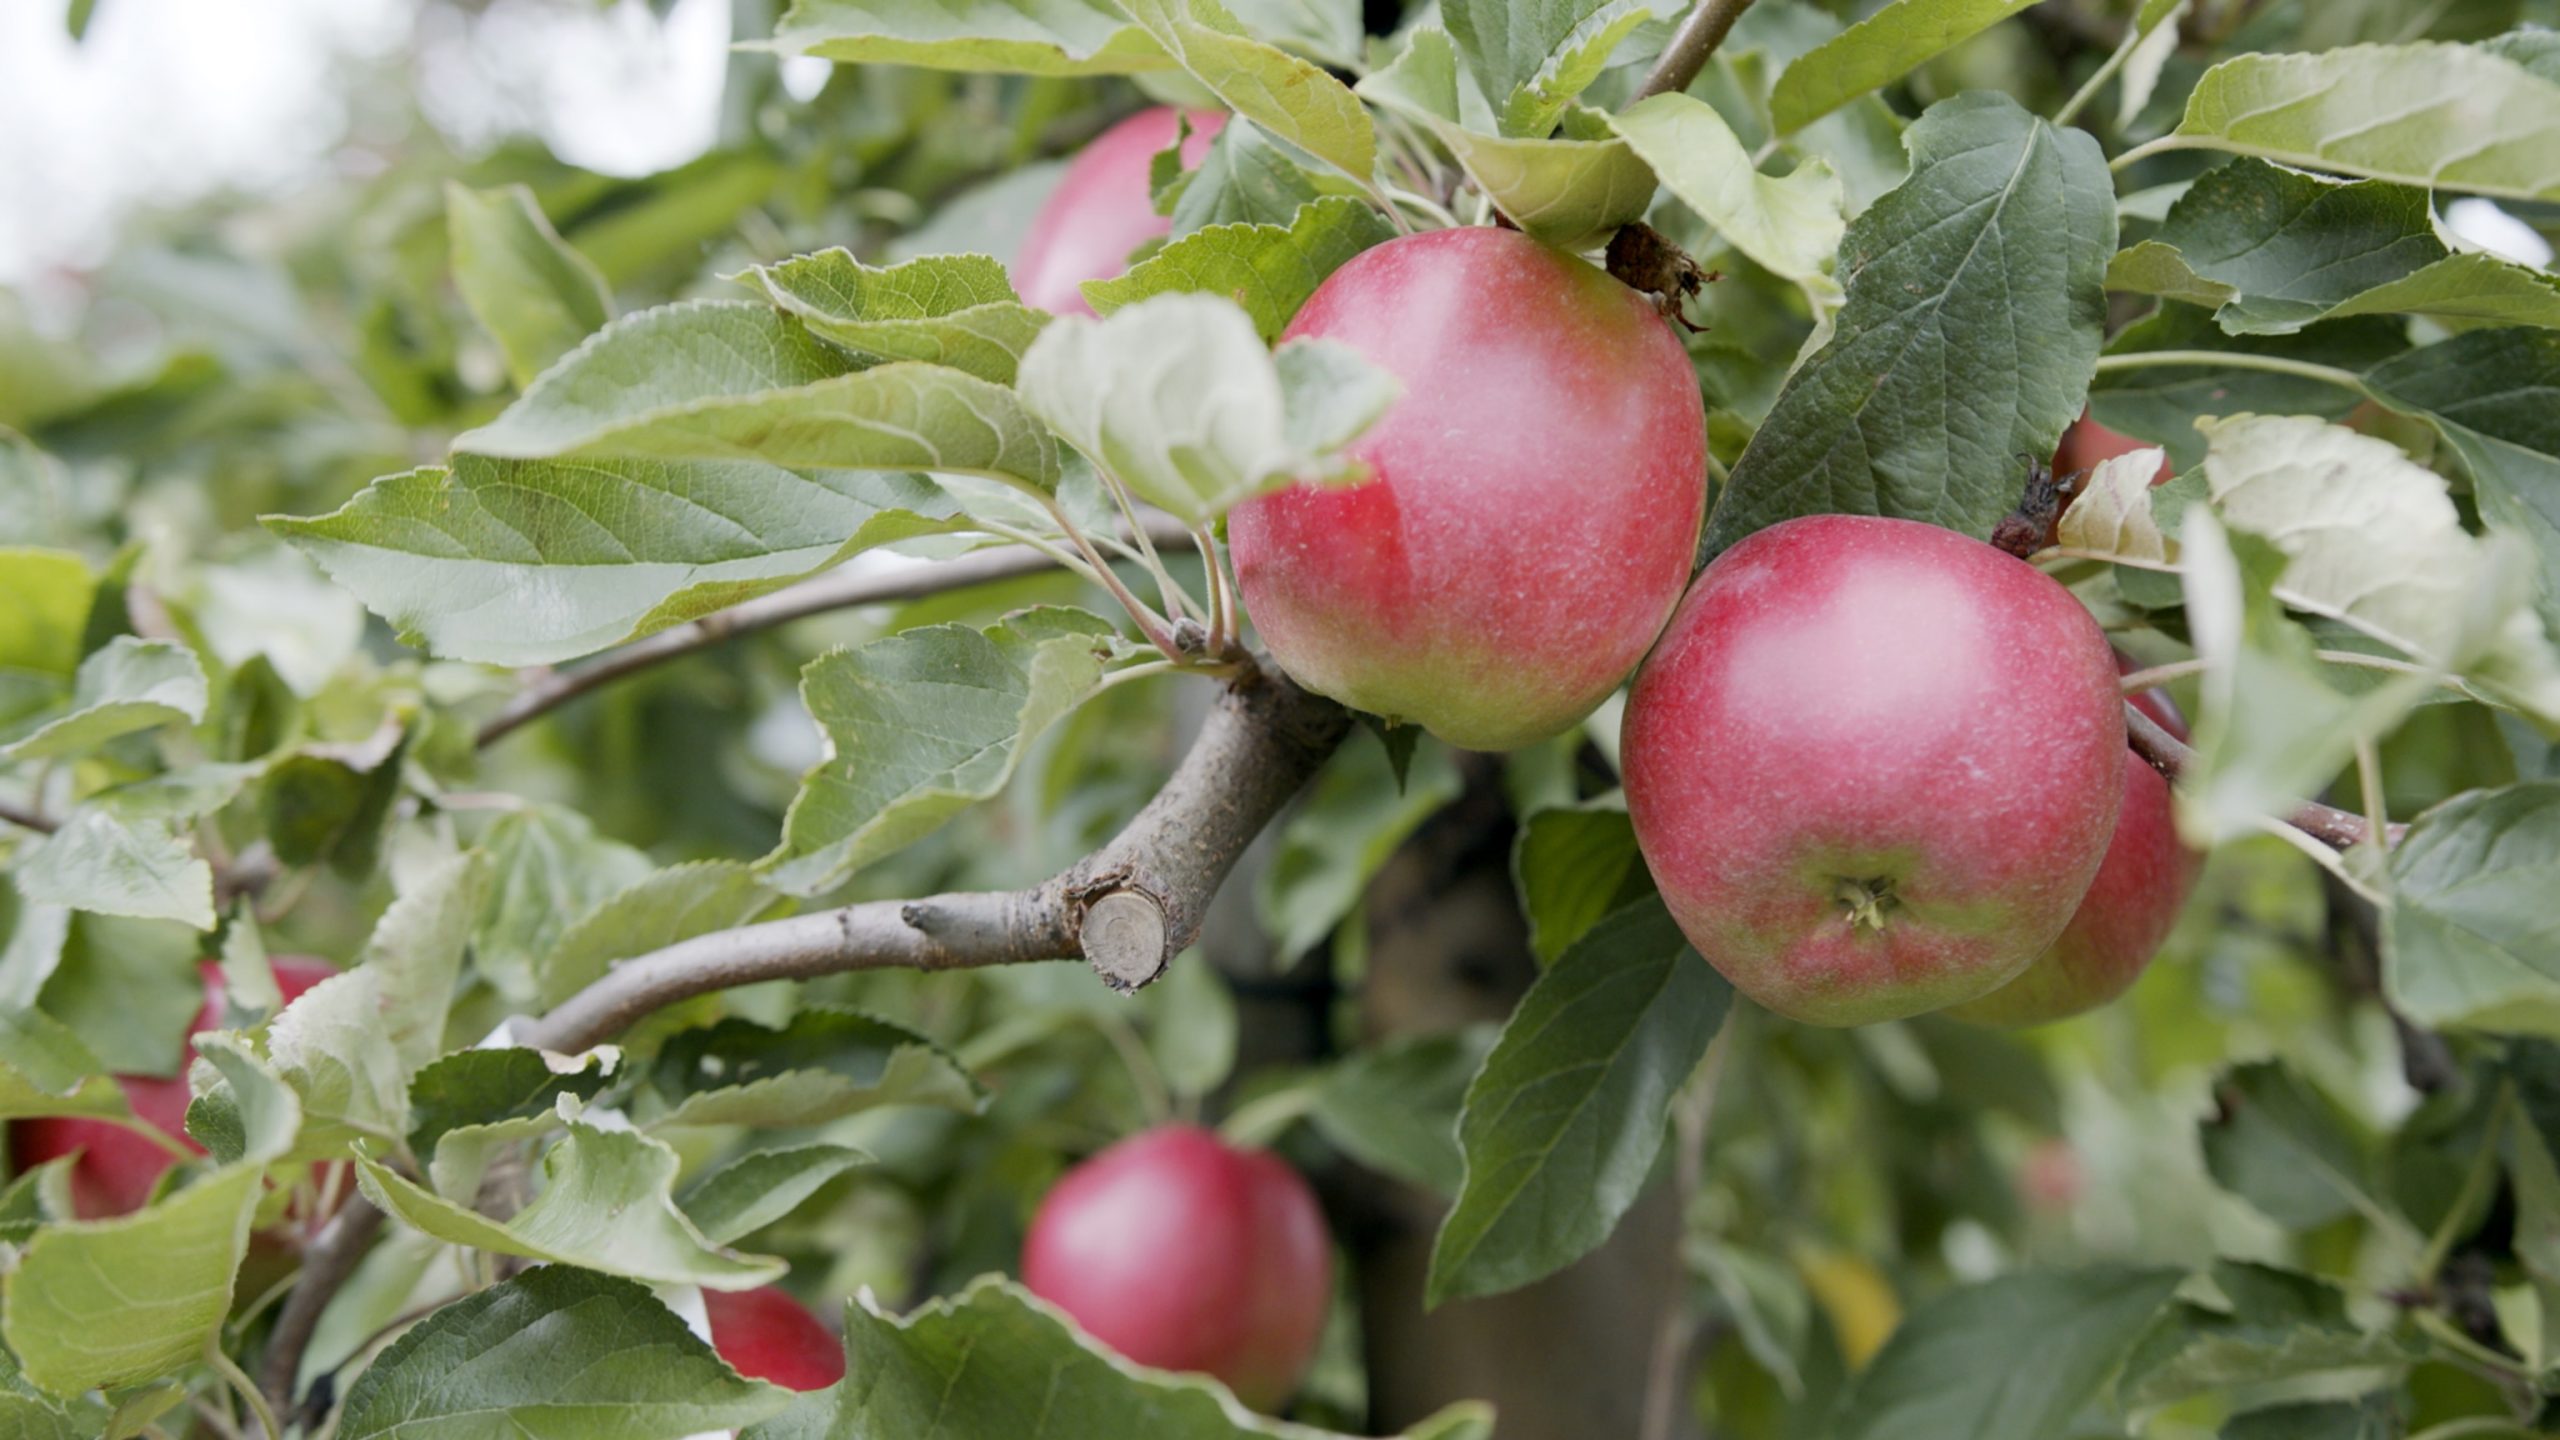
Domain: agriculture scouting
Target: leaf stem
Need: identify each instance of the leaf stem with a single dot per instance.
(1264, 1119)
(1692, 45)
(2141, 680)
(2234, 360)
(1158, 632)
(1155, 1097)
(2139, 153)
(2088, 91)
(238, 1379)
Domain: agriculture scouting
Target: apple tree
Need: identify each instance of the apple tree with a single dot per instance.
(1213, 718)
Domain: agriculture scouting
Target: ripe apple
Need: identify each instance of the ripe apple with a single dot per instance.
(1102, 209)
(1184, 1253)
(2128, 912)
(2087, 442)
(1534, 501)
(766, 1335)
(1874, 765)
(118, 1168)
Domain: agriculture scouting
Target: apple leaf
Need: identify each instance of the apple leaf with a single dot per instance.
(32, 937)
(1570, 192)
(1790, 225)
(753, 1191)
(1532, 59)
(2113, 516)
(1292, 98)
(492, 1086)
(1877, 51)
(1563, 1122)
(531, 562)
(1573, 865)
(534, 295)
(2160, 403)
(99, 863)
(923, 724)
(554, 1352)
(2058, 1334)
(1270, 270)
(605, 1205)
(2471, 940)
(2276, 250)
(2373, 1418)
(658, 910)
(2281, 1145)
(1027, 37)
(1177, 398)
(1969, 334)
(824, 1064)
(1246, 178)
(2272, 1325)
(994, 1361)
(954, 310)
(2445, 117)
(547, 868)
(45, 1070)
(2507, 433)
(1350, 821)
(1394, 1107)
(1191, 1027)
(124, 686)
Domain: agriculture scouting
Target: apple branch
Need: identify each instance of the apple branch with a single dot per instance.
(1692, 45)
(2166, 753)
(837, 590)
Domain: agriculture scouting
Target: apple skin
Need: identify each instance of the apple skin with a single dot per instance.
(118, 1168)
(1182, 1252)
(2087, 442)
(1847, 707)
(1102, 209)
(1534, 500)
(764, 1334)
(2130, 908)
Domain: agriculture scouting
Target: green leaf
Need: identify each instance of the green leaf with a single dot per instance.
(1790, 226)
(753, 1191)
(605, 1205)
(1571, 192)
(547, 868)
(554, 1352)
(532, 562)
(2160, 403)
(1574, 864)
(1177, 398)
(2276, 250)
(992, 1361)
(335, 802)
(2012, 1358)
(128, 685)
(1394, 1106)
(1351, 820)
(1532, 59)
(955, 310)
(672, 905)
(2507, 433)
(45, 1070)
(1270, 270)
(2273, 1325)
(27, 1413)
(534, 295)
(923, 724)
(2374, 1418)
(2286, 1149)
(99, 863)
(1290, 97)
(1029, 37)
(1563, 1123)
(2472, 941)
(1877, 51)
(2447, 117)
(44, 602)
(1968, 338)
(1193, 1029)
(826, 1063)
(1246, 178)
(488, 1087)
(31, 940)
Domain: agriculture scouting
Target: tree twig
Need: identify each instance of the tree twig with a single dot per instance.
(325, 1267)
(1127, 909)
(837, 590)
(2166, 753)
(1691, 46)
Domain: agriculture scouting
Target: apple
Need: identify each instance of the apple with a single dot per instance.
(1874, 766)
(764, 1334)
(1183, 1252)
(1103, 208)
(117, 1168)
(2087, 442)
(1533, 504)
(2129, 910)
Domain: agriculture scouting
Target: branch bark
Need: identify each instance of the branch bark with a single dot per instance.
(324, 1269)
(1127, 909)
(838, 590)
(2166, 753)
(1691, 46)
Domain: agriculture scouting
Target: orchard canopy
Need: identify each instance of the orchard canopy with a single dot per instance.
(1568, 719)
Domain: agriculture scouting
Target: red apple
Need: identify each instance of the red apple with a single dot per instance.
(118, 1168)
(1184, 1253)
(1102, 209)
(2129, 910)
(766, 1335)
(1874, 765)
(2087, 442)
(1534, 501)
